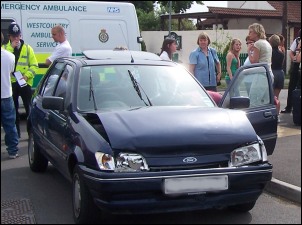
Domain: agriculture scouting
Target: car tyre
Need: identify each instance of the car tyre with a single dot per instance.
(245, 207)
(37, 162)
(84, 209)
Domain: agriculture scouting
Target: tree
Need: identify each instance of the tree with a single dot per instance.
(147, 6)
(149, 16)
(179, 6)
(148, 20)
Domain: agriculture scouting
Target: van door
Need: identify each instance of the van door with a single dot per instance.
(255, 82)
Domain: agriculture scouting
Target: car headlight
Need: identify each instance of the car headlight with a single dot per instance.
(125, 162)
(246, 155)
(130, 162)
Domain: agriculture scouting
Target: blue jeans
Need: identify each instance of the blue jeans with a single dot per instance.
(8, 121)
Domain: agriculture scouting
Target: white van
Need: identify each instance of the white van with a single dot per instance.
(88, 25)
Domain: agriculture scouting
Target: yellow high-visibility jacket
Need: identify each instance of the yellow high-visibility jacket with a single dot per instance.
(27, 63)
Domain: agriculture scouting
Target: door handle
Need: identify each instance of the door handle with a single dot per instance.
(268, 114)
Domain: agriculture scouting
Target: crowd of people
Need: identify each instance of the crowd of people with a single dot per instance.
(204, 63)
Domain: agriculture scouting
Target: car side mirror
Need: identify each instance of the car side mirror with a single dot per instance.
(53, 103)
(239, 102)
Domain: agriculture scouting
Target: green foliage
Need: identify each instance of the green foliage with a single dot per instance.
(226, 48)
(186, 25)
(148, 20)
(144, 47)
(179, 6)
(147, 6)
(220, 44)
(149, 16)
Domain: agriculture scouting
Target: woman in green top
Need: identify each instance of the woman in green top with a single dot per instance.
(232, 59)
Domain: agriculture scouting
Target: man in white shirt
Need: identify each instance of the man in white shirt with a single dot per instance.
(8, 112)
(63, 49)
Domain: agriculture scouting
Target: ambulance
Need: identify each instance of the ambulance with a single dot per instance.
(88, 25)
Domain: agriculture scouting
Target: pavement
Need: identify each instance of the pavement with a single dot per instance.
(286, 159)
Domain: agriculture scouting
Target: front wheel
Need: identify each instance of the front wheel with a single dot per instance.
(84, 209)
(37, 162)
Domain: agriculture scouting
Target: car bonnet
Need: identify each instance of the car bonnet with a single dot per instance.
(163, 128)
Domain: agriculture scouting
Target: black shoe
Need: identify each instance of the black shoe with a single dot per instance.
(285, 110)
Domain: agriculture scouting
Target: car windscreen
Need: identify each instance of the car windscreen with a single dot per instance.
(115, 87)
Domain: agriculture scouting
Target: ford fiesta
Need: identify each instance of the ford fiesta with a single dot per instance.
(136, 134)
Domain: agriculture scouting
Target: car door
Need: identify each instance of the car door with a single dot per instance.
(56, 121)
(255, 82)
(40, 115)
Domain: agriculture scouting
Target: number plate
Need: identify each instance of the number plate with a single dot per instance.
(195, 184)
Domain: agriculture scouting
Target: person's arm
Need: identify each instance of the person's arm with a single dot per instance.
(254, 53)
(193, 60)
(33, 64)
(298, 56)
(229, 58)
(218, 69)
(292, 51)
(47, 62)
(192, 68)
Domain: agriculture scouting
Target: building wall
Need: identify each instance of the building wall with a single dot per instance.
(154, 40)
(271, 26)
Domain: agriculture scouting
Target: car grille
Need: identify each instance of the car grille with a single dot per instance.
(189, 167)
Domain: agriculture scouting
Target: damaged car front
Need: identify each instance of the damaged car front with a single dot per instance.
(143, 136)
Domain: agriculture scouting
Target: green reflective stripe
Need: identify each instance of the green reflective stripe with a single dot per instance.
(24, 56)
(77, 54)
(33, 72)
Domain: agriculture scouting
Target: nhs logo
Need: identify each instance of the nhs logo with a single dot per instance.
(113, 9)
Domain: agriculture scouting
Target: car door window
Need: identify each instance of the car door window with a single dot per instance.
(52, 79)
(63, 82)
(252, 83)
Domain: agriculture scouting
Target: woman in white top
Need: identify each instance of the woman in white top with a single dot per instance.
(168, 48)
(262, 50)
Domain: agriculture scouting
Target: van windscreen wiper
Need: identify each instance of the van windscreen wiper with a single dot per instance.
(137, 87)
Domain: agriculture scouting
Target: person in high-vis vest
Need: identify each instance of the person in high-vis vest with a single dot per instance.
(26, 63)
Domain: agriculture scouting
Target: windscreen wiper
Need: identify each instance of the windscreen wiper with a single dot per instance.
(91, 90)
(137, 87)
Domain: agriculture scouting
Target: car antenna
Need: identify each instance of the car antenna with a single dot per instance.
(127, 43)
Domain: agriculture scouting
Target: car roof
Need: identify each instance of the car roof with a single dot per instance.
(120, 54)
(103, 57)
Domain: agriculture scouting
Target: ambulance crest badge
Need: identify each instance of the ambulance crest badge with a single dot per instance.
(103, 36)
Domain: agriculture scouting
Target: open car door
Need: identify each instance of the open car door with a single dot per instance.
(254, 82)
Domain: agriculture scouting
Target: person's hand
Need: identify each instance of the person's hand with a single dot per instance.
(218, 77)
(14, 43)
(25, 78)
(250, 47)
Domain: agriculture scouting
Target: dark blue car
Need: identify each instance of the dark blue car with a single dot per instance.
(136, 134)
